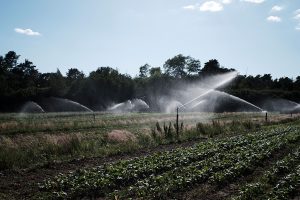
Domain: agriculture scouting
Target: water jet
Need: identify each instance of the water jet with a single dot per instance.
(31, 107)
(55, 104)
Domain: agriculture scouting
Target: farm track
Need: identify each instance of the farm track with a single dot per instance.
(21, 184)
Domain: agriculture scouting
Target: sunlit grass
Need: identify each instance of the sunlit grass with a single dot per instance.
(36, 139)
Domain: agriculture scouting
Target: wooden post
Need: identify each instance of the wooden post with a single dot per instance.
(266, 116)
(177, 124)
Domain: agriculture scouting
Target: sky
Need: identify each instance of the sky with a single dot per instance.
(252, 36)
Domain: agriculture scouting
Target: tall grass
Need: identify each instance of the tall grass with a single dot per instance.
(90, 139)
(217, 128)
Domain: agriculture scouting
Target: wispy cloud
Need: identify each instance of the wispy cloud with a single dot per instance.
(211, 6)
(208, 6)
(190, 7)
(297, 16)
(276, 8)
(254, 1)
(226, 1)
(274, 19)
(28, 32)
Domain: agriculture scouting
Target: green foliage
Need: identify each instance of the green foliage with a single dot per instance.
(167, 132)
(144, 71)
(280, 181)
(212, 67)
(180, 66)
(74, 74)
(216, 127)
(162, 175)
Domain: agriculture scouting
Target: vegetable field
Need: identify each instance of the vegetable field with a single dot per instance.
(195, 172)
(141, 156)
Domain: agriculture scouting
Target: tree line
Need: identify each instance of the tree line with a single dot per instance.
(21, 82)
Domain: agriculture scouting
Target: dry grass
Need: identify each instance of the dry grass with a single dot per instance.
(47, 137)
(121, 136)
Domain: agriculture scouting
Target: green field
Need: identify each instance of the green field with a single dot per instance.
(140, 155)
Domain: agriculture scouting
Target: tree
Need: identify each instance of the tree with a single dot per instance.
(267, 81)
(213, 67)
(10, 60)
(74, 74)
(108, 86)
(55, 82)
(176, 66)
(155, 72)
(297, 82)
(193, 65)
(3, 77)
(285, 83)
(25, 74)
(144, 70)
(2, 68)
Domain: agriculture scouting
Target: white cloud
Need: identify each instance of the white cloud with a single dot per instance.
(254, 1)
(211, 6)
(28, 32)
(226, 1)
(274, 19)
(297, 16)
(190, 7)
(276, 8)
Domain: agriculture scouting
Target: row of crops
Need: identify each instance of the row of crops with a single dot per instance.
(279, 181)
(163, 175)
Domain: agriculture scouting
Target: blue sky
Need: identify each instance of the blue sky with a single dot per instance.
(252, 36)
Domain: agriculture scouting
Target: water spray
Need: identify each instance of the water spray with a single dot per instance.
(198, 97)
(212, 84)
